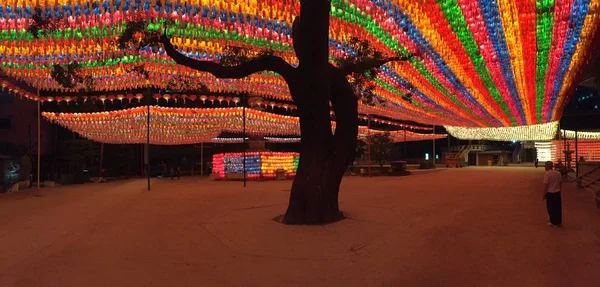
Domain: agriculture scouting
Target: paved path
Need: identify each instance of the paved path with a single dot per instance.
(455, 227)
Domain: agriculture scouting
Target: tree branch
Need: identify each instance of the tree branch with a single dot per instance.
(360, 67)
(259, 64)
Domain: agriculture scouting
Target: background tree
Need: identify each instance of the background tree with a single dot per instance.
(25, 167)
(361, 149)
(316, 87)
(78, 153)
(382, 148)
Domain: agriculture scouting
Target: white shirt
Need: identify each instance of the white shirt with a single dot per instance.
(553, 178)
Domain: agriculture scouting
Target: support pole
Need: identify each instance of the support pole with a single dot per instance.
(201, 158)
(448, 151)
(405, 146)
(369, 144)
(101, 155)
(39, 137)
(433, 156)
(564, 146)
(576, 153)
(244, 139)
(149, 97)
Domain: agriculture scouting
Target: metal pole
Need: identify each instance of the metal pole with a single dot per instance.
(369, 143)
(142, 156)
(244, 139)
(576, 153)
(201, 158)
(565, 146)
(448, 151)
(405, 146)
(148, 140)
(39, 137)
(433, 156)
(101, 154)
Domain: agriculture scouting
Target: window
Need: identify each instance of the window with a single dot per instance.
(6, 98)
(6, 123)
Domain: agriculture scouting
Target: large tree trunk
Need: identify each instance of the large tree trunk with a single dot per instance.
(324, 157)
(315, 84)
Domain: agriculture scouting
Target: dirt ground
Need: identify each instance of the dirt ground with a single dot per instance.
(456, 227)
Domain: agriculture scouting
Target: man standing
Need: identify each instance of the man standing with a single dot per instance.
(552, 186)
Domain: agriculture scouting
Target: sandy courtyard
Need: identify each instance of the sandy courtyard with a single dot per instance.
(467, 227)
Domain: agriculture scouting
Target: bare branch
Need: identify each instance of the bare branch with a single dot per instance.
(42, 25)
(349, 68)
(264, 62)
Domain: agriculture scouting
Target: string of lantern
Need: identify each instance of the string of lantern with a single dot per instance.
(177, 126)
(582, 135)
(380, 110)
(267, 139)
(502, 63)
(138, 98)
(541, 132)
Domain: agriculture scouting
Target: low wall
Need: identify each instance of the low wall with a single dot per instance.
(586, 166)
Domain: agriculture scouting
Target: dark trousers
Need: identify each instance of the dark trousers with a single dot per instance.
(554, 205)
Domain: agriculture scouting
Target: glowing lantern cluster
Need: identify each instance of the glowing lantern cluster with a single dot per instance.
(177, 126)
(543, 151)
(259, 165)
(172, 126)
(541, 132)
(580, 135)
(588, 149)
(400, 136)
(485, 63)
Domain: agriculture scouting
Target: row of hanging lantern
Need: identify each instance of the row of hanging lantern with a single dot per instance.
(175, 126)
(131, 97)
(179, 34)
(12, 89)
(476, 68)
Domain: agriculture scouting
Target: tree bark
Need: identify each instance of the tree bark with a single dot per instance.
(314, 85)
